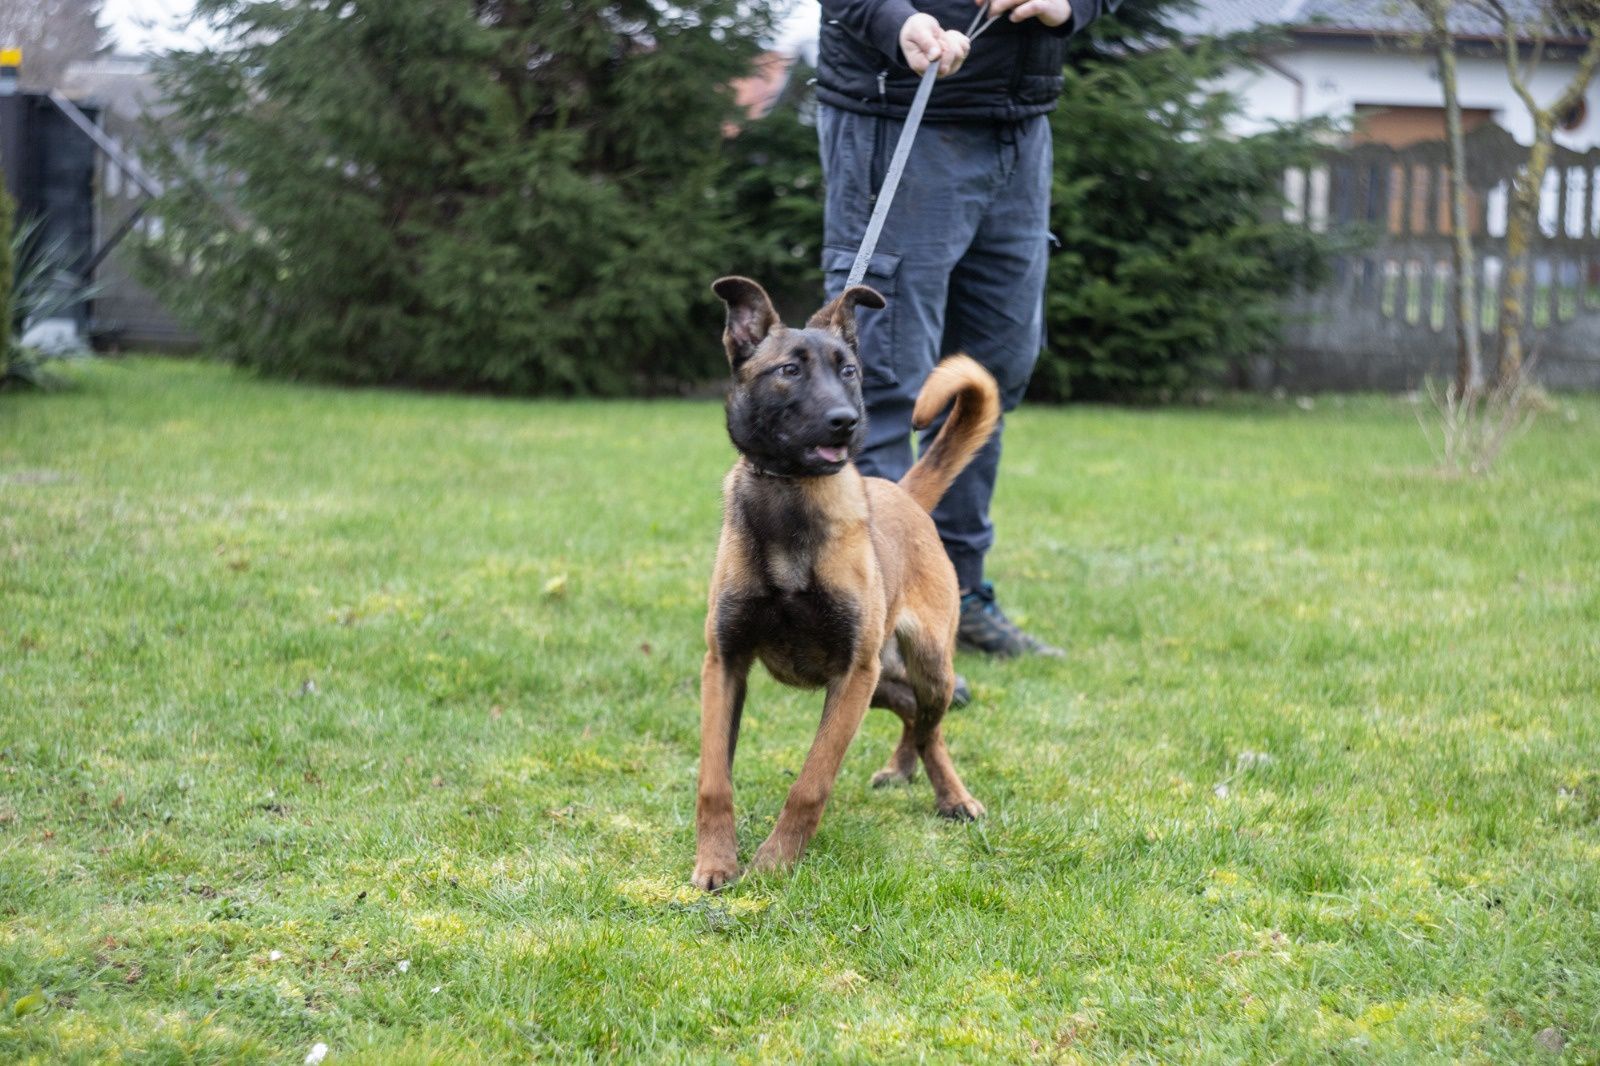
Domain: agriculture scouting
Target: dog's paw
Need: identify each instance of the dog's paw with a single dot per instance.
(774, 856)
(961, 810)
(886, 777)
(711, 876)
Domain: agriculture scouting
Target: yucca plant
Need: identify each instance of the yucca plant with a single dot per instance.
(37, 281)
(7, 214)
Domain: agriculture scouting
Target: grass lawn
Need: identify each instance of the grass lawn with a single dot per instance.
(370, 719)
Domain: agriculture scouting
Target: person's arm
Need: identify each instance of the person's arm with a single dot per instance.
(876, 22)
(902, 33)
(1086, 11)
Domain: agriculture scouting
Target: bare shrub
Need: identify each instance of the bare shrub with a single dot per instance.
(1467, 430)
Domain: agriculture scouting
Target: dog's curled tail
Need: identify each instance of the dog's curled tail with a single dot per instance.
(969, 427)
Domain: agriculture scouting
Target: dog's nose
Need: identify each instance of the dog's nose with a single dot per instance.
(843, 419)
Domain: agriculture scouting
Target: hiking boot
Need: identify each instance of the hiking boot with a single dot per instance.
(984, 627)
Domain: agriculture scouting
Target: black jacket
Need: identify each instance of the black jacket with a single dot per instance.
(1013, 71)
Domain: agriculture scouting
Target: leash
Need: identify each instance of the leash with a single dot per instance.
(902, 150)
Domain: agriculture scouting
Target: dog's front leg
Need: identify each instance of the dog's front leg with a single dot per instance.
(846, 705)
(722, 686)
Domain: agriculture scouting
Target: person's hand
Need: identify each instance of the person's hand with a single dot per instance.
(923, 41)
(1049, 12)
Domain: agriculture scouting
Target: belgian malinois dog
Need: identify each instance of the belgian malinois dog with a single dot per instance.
(818, 567)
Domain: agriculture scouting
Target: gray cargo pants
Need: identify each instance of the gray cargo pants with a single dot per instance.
(962, 265)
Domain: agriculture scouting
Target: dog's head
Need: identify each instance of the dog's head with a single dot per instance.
(795, 407)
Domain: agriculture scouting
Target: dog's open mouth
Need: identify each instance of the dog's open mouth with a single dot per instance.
(828, 453)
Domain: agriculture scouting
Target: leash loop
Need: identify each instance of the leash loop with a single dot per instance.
(902, 150)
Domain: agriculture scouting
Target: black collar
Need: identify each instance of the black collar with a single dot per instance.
(759, 471)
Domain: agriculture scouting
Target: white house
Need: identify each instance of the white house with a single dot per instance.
(1359, 61)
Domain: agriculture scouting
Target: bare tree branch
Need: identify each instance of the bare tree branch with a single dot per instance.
(1469, 356)
(1579, 84)
(52, 35)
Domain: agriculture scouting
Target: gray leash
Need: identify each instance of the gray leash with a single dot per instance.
(902, 149)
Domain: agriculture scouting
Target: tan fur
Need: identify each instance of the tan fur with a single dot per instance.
(968, 429)
(880, 556)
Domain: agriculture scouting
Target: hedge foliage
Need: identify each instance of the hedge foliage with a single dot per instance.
(527, 197)
(506, 194)
(1171, 268)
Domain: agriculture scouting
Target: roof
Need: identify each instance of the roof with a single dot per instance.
(121, 85)
(1354, 16)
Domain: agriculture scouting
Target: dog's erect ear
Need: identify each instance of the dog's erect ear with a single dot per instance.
(750, 317)
(839, 313)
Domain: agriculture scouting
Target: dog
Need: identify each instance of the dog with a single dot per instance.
(833, 580)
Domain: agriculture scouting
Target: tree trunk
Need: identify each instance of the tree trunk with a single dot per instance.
(1521, 217)
(1469, 360)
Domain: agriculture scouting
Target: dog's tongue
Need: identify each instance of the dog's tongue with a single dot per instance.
(831, 454)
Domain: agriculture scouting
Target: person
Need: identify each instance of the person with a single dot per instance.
(962, 257)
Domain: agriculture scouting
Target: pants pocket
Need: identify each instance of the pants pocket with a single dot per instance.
(876, 329)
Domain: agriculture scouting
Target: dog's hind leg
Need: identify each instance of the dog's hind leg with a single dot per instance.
(848, 697)
(722, 688)
(895, 693)
(902, 764)
(928, 667)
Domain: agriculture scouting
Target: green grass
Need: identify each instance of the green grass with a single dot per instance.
(298, 685)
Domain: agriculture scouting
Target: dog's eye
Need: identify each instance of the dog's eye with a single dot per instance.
(847, 371)
(789, 370)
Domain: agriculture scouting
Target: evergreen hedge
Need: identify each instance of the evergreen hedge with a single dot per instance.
(502, 194)
(1171, 269)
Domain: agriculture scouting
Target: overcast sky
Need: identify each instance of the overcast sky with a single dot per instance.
(158, 25)
(800, 28)
(150, 25)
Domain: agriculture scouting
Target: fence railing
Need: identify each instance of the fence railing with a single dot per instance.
(1385, 319)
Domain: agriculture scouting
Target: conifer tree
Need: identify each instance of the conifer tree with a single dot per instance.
(1173, 263)
(501, 194)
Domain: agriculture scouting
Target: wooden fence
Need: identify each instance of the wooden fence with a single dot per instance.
(1384, 321)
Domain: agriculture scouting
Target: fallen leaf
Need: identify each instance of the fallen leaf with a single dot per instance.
(32, 1003)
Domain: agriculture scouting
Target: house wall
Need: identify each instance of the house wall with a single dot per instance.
(126, 314)
(1333, 79)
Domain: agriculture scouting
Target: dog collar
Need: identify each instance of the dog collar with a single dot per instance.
(762, 472)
